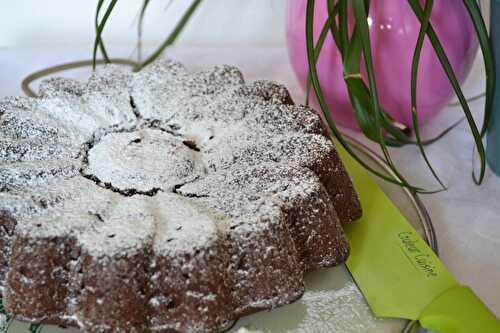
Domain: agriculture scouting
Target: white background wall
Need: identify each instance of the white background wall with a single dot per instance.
(35, 23)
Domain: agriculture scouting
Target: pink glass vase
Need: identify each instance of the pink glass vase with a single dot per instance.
(393, 32)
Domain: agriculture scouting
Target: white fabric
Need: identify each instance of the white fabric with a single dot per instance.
(466, 217)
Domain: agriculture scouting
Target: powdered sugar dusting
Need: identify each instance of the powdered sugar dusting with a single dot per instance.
(343, 310)
(144, 160)
(182, 225)
(132, 134)
(125, 228)
(18, 175)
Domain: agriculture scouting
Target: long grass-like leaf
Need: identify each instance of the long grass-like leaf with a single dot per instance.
(329, 25)
(99, 30)
(361, 18)
(343, 25)
(359, 93)
(102, 48)
(351, 57)
(317, 49)
(489, 62)
(414, 76)
(360, 96)
(333, 10)
(450, 73)
(173, 35)
(140, 26)
(397, 137)
(469, 99)
(321, 100)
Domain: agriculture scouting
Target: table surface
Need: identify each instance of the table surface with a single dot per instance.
(466, 217)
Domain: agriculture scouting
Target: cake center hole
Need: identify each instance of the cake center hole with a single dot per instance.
(144, 161)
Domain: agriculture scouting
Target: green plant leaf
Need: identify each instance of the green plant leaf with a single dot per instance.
(398, 137)
(324, 107)
(333, 10)
(445, 63)
(414, 76)
(343, 26)
(329, 24)
(361, 92)
(469, 99)
(100, 3)
(100, 28)
(489, 62)
(356, 88)
(360, 101)
(173, 35)
(361, 18)
(361, 98)
(140, 26)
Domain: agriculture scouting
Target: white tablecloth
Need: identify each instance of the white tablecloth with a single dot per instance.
(466, 217)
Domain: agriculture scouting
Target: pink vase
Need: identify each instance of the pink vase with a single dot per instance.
(393, 32)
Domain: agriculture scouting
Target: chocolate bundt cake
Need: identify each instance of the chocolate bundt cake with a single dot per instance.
(164, 201)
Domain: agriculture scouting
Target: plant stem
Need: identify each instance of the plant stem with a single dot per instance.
(173, 35)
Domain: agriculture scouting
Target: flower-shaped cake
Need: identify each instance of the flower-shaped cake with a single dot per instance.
(164, 201)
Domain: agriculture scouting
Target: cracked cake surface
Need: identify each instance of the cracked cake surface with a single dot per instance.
(164, 200)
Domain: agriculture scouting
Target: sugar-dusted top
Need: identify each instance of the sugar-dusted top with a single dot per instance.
(163, 158)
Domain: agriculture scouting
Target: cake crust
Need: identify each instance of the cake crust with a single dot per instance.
(164, 200)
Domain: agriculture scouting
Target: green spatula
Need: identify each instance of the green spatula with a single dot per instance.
(399, 274)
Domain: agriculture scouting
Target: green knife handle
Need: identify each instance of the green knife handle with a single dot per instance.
(459, 310)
